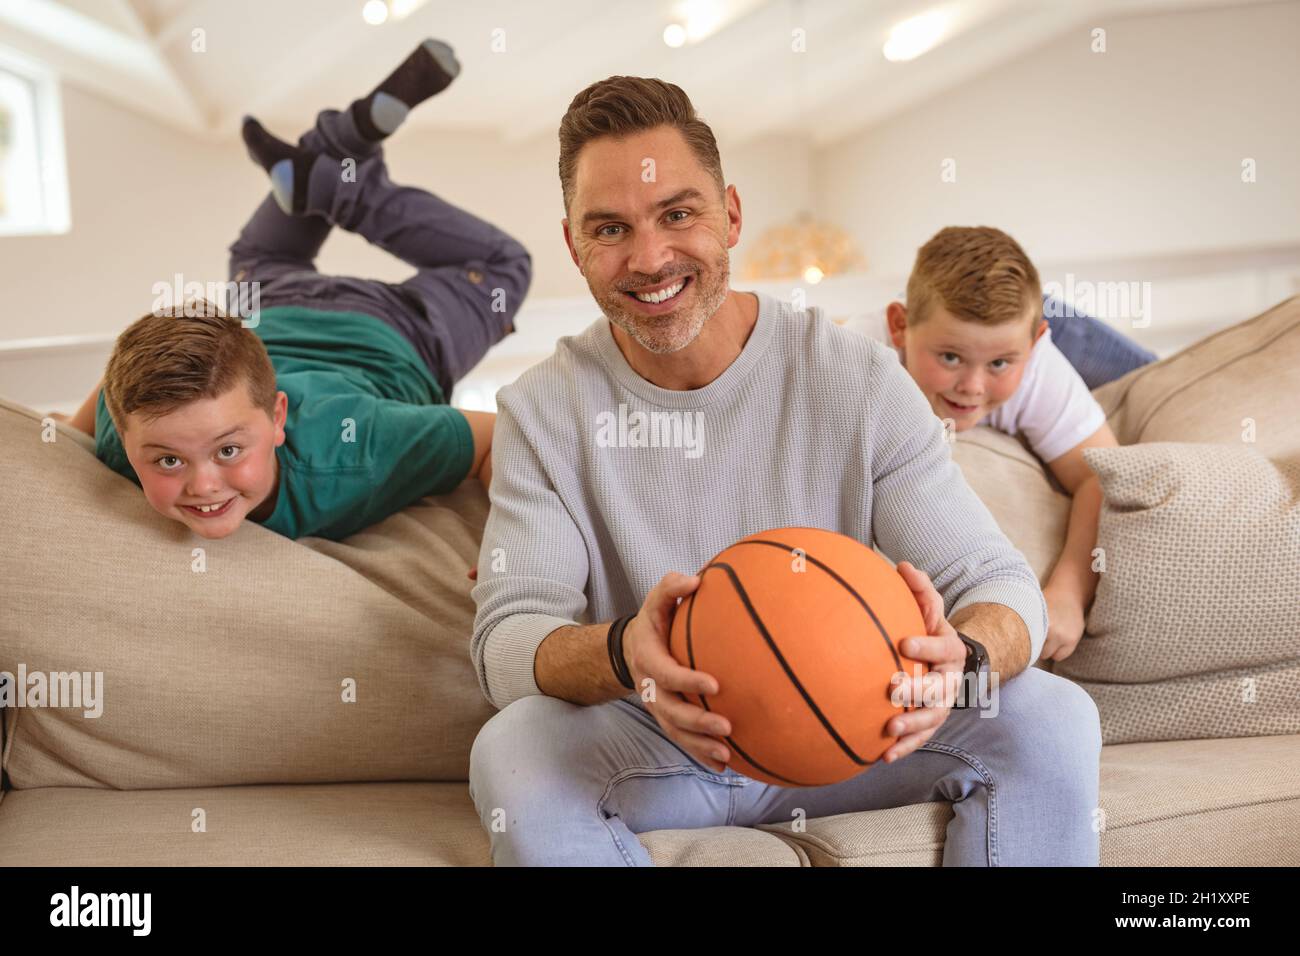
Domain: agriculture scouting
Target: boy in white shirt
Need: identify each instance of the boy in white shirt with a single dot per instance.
(973, 337)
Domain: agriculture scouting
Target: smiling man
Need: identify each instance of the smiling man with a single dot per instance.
(590, 542)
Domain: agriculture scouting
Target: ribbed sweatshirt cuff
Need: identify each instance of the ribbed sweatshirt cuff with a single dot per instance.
(509, 652)
(1024, 599)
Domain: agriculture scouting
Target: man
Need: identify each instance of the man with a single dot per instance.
(781, 419)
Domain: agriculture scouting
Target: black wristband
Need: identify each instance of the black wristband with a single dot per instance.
(617, 662)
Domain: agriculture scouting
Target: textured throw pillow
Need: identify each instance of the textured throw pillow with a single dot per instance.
(1195, 630)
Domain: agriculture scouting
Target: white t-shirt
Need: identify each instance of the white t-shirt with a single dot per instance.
(1052, 407)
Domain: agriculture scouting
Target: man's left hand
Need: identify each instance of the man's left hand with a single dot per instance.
(944, 651)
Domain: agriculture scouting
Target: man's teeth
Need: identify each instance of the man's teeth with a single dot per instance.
(662, 294)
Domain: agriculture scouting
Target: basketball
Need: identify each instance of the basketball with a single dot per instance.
(800, 627)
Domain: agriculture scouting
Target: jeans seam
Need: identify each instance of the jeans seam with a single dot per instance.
(991, 846)
(632, 772)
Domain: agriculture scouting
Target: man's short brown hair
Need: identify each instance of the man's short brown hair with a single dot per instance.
(978, 273)
(622, 105)
(172, 357)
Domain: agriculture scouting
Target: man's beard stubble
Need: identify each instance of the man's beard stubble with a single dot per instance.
(669, 333)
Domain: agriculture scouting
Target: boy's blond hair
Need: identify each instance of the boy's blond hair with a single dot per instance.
(977, 273)
(172, 357)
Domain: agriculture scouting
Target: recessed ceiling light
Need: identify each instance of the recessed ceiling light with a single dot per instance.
(374, 12)
(915, 35)
(674, 35)
(702, 18)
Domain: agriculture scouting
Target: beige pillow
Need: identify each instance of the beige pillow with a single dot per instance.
(1241, 378)
(1195, 630)
(233, 675)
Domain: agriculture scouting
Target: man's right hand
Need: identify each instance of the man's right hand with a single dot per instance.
(645, 648)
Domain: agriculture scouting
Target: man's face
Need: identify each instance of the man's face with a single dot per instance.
(652, 238)
(965, 369)
(214, 451)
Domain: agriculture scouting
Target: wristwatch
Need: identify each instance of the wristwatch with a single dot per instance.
(977, 662)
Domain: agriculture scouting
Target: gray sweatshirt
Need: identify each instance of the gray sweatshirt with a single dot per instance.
(603, 482)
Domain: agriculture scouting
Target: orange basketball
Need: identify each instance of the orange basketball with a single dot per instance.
(799, 626)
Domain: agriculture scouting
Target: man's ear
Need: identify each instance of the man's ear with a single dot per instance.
(896, 315)
(734, 217)
(280, 416)
(568, 241)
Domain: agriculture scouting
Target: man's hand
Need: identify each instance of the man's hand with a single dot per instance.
(645, 648)
(1064, 624)
(944, 651)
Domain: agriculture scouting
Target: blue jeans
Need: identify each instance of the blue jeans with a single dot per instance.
(1099, 353)
(470, 277)
(556, 783)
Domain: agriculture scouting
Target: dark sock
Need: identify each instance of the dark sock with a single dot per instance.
(427, 71)
(288, 166)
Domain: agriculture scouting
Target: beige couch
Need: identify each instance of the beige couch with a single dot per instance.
(267, 701)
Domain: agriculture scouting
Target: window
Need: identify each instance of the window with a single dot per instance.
(33, 177)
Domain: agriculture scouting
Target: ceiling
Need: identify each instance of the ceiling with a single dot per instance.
(198, 65)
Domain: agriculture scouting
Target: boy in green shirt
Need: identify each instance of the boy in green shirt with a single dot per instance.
(325, 411)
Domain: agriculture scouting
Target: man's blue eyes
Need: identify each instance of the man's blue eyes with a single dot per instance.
(603, 230)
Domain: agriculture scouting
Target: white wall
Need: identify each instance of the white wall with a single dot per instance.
(1081, 155)
(136, 218)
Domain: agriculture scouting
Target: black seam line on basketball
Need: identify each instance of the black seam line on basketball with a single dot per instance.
(770, 773)
(907, 708)
(690, 656)
(785, 666)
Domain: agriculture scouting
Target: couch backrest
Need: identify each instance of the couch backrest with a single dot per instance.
(231, 661)
(1237, 386)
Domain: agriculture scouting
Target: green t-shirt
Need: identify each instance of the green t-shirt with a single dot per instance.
(406, 442)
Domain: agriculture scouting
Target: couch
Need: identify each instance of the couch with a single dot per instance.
(267, 701)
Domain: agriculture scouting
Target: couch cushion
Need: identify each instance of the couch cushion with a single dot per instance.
(720, 846)
(236, 674)
(1195, 630)
(1206, 392)
(1185, 803)
(1231, 802)
(900, 836)
(358, 824)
